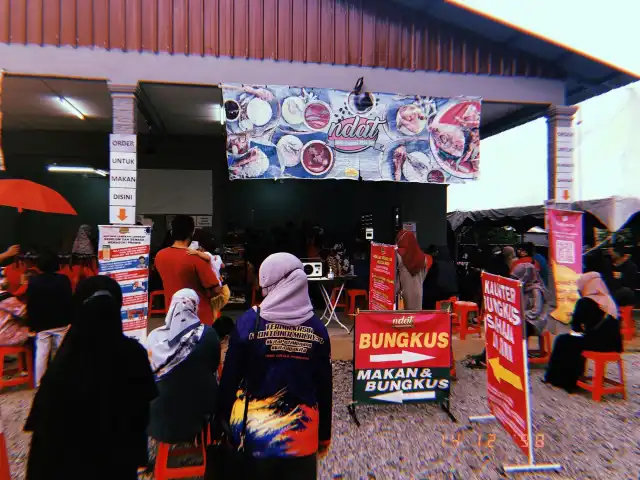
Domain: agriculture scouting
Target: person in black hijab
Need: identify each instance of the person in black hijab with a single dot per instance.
(90, 415)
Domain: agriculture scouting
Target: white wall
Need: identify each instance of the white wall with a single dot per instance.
(162, 192)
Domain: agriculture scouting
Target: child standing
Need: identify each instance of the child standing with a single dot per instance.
(218, 302)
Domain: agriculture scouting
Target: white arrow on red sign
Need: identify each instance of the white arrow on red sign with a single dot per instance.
(400, 396)
(404, 357)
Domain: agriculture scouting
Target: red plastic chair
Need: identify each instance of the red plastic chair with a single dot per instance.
(464, 310)
(446, 304)
(25, 366)
(352, 295)
(157, 311)
(163, 472)
(596, 384)
(627, 325)
(543, 354)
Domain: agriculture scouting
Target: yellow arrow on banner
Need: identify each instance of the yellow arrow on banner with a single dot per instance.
(503, 373)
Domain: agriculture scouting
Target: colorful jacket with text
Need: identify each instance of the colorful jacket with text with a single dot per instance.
(286, 373)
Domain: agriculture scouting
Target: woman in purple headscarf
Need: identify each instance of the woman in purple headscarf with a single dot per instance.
(279, 363)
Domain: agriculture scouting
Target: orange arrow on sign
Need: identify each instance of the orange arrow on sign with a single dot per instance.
(123, 214)
(565, 195)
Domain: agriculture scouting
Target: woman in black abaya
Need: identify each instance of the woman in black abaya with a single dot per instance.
(595, 327)
(90, 415)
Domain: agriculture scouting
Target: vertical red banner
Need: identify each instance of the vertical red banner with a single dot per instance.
(565, 259)
(507, 368)
(382, 280)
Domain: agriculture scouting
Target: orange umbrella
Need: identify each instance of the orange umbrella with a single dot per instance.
(28, 195)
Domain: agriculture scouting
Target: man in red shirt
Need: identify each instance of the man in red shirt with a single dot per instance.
(179, 270)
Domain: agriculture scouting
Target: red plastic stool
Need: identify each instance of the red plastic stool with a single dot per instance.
(162, 471)
(543, 354)
(157, 311)
(352, 295)
(598, 381)
(24, 375)
(463, 310)
(627, 325)
(446, 304)
(343, 301)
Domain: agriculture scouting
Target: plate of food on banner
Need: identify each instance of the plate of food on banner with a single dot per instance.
(305, 155)
(409, 116)
(250, 110)
(455, 138)
(248, 159)
(305, 110)
(411, 161)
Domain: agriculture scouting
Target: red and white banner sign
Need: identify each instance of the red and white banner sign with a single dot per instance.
(382, 280)
(565, 259)
(402, 357)
(507, 367)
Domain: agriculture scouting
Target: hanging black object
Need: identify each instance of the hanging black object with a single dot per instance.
(358, 86)
(362, 101)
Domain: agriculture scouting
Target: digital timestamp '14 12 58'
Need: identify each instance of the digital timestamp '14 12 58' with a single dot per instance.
(482, 440)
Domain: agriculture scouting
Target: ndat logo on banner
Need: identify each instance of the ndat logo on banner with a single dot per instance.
(507, 369)
(402, 357)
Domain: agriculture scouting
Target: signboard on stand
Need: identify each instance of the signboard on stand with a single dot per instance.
(565, 259)
(402, 357)
(382, 280)
(123, 254)
(123, 179)
(508, 390)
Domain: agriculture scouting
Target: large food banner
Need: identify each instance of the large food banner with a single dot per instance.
(507, 367)
(402, 357)
(382, 277)
(314, 133)
(565, 258)
(123, 254)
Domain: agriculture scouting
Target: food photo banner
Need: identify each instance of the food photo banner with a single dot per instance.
(314, 133)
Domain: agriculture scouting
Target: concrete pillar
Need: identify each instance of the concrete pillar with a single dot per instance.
(123, 160)
(561, 154)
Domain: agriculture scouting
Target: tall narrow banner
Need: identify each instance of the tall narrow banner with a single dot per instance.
(123, 254)
(382, 277)
(280, 131)
(507, 366)
(402, 357)
(565, 259)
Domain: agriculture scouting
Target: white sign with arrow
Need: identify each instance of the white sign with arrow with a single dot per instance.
(404, 357)
(400, 396)
(119, 215)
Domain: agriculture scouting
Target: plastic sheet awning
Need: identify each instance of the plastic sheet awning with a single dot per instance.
(613, 212)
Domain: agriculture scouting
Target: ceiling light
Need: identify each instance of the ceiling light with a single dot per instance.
(73, 169)
(71, 108)
(217, 112)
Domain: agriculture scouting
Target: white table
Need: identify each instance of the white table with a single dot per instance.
(329, 313)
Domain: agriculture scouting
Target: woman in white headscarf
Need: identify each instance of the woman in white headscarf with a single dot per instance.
(278, 366)
(184, 355)
(595, 327)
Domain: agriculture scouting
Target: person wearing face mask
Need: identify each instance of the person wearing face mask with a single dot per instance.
(276, 385)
